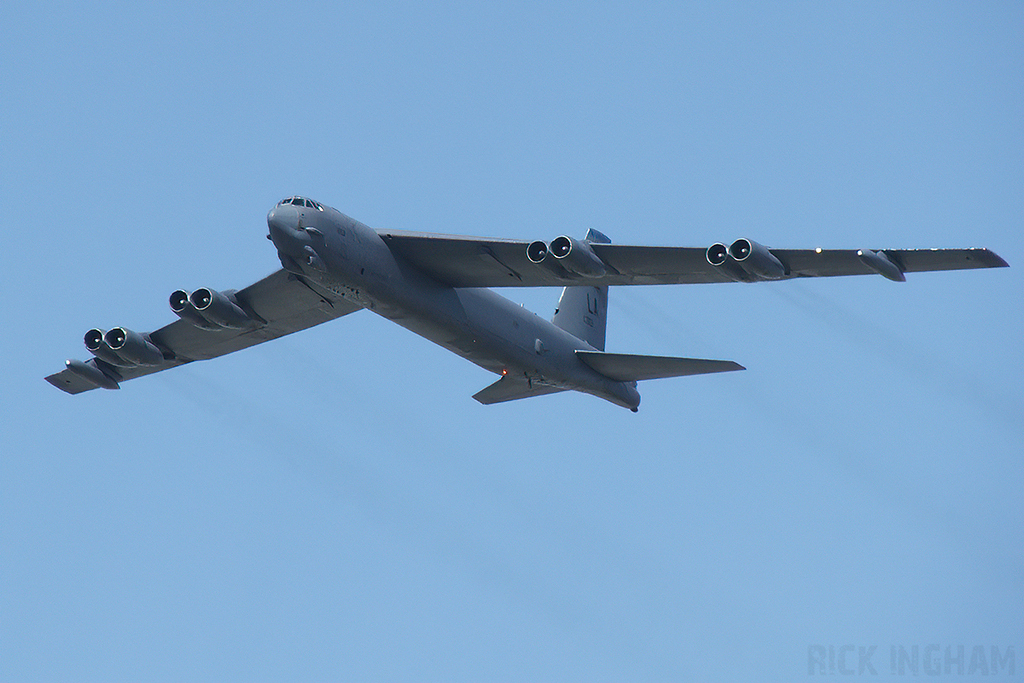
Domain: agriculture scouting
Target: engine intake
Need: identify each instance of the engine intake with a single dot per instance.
(577, 257)
(537, 251)
(879, 262)
(184, 309)
(757, 260)
(98, 347)
(718, 256)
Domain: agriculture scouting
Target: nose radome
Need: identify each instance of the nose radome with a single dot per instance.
(283, 224)
(281, 219)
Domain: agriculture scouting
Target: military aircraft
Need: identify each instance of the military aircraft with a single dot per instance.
(439, 286)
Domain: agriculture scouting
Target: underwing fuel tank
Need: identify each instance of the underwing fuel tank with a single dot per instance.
(90, 373)
(881, 264)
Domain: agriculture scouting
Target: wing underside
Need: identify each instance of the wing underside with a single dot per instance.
(281, 303)
(462, 261)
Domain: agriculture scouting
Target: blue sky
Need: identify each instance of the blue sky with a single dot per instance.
(335, 506)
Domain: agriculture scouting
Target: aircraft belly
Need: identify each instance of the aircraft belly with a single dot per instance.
(541, 351)
(490, 331)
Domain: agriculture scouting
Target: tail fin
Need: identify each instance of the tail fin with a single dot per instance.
(582, 311)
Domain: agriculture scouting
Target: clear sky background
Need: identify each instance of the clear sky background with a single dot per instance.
(335, 506)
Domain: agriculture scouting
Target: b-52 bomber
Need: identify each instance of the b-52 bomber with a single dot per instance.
(440, 287)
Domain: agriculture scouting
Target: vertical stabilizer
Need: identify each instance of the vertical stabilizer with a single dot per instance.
(582, 311)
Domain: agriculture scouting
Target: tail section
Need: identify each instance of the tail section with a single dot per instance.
(583, 310)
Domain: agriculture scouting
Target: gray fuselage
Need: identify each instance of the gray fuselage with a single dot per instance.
(349, 259)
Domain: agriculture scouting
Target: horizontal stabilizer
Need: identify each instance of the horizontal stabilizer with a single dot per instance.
(509, 389)
(626, 367)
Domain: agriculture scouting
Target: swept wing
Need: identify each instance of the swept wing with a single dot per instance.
(279, 304)
(464, 261)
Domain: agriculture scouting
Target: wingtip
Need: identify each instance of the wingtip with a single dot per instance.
(992, 259)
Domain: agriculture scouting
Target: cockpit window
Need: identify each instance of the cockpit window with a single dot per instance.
(301, 201)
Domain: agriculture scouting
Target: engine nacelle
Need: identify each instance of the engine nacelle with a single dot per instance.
(133, 347)
(98, 347)
(538, 252)
(718, 256)
(755, 259)
(577, 257)
(220, 309)
(184, 309)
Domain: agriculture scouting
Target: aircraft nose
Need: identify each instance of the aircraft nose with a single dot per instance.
(282, 220)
